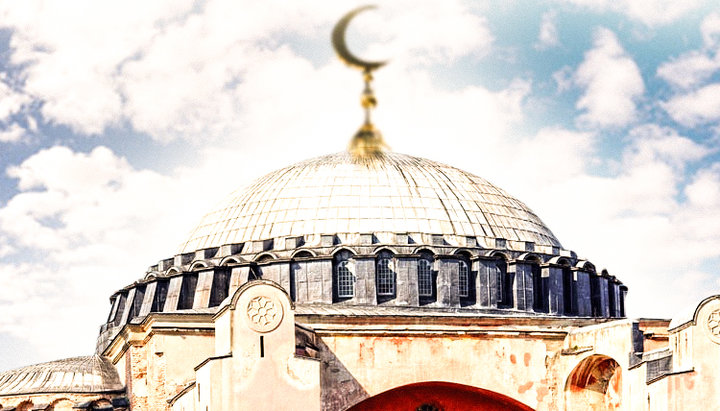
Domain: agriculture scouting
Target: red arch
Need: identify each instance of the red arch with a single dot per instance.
(445, 396)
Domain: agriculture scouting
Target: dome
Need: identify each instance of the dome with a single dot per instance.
(89, 374)
(385, 192)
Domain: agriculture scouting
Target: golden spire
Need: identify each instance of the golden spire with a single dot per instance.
(367, 140)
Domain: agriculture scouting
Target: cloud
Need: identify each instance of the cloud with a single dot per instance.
(12, 134)
(695, 108)
(689, 70)
(648, 12)
(90, 81)
(82, 225)
(548, 36)
(642, 220)
(695, 101)
(695, 67)
(11, 101)
(612, 83)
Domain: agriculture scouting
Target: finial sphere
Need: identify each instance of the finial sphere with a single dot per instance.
(338, 40)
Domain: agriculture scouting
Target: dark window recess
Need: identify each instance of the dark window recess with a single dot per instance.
(220, 286)
(295, 269)
(262, 347)
(537, 284)
(255, 273)
(568, 291)
(187, 291)
(161, 290)
(504, 284)
(611, 299)
(595, 297)
(137, 301)
(120, 309)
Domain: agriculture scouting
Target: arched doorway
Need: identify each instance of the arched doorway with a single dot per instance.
(595, 383)
(439, 396)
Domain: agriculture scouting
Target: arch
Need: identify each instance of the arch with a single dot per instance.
(386, 249)
(530, 257)
(585, 265)
(342, 248)
(560, 260)
(102, 402)
(231, 260)
(461, 251)
(264, 256)
(440, 395)
(199, 265)
(26, 405)
(424, 249)
(499, 254)
(595, 383)
(61, 404)
(172, 271)
(303, 253)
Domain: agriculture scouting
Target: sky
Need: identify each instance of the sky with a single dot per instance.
(122, 123)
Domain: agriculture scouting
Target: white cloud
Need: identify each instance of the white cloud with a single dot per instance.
(697, 107)
(91, 81)
(11, 101)
(688, 70)
(649, 12)
(694, 67)
(81, 216)
(548, 36)
(710, 29)
(612, 83)
(563, 78)
(12, 134)
(695, 101)
(634, 221)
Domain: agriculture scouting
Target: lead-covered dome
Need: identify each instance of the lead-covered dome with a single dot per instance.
(385, 192)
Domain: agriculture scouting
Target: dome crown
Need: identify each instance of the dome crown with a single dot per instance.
(385, 192)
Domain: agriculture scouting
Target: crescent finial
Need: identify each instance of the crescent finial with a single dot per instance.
(338, 41)
(367, 140)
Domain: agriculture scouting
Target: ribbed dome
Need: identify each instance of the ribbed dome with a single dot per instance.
(91, 374)
(389, 192)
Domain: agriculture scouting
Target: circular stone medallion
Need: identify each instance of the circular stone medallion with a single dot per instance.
(713, 326)
(264, 314)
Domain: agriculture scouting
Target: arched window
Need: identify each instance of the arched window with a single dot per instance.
(537, 283)
(345, 280)
(425, 282)
(464, 279)
(569, 303)
(385, 281)
(504, 285)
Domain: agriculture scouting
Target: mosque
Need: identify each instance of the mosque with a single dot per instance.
(372, 280)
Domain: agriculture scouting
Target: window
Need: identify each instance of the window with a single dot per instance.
(425, 288)
(464, 279)
(345, 280)
(569, 303)
(538, 303)
(385, 278)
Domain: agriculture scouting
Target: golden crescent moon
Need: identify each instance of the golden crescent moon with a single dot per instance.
(338, 40)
